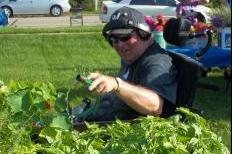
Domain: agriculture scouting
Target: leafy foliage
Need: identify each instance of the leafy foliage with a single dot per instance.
(221, 17)
(29, 109)
(33, 121)
(85, 4)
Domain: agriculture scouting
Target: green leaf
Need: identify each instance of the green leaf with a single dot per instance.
(52, 88)
(19, 119)
(49, 133)
(20, 101)
(47, 91)
(23, 85)
(197, 130)
(60, 121)
(60, 104)
(2, 86)
(13, 85)
(1, 83)
(39, 103)
(193, 143)
(167, 145)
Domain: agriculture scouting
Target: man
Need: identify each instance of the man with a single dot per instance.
(146, 84)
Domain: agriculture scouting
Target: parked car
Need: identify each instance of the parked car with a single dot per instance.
(54, 7)
(148, 7)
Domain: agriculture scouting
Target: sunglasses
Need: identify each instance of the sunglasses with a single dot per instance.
(114, 39)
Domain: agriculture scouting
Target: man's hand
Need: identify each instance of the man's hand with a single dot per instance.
(141, 99)
(102, 83)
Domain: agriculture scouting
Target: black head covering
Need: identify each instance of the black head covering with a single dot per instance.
(126, 18)
(176, 31)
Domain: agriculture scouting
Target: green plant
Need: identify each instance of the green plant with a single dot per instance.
(85, 4)
(33, 110)
(221, 17)
(24, 103)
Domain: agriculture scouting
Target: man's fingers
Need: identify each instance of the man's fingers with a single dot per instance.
(95, 83)
(100, 88)
(101, 83)
(94, 75)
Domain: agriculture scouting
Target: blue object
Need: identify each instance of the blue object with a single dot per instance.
(3, 18)
(40, 123)
(214, 57)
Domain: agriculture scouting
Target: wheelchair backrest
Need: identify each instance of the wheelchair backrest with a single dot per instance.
(189, 72)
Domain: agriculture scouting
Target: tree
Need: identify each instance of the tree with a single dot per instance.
(85, 4)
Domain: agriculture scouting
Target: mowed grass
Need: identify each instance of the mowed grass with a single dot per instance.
(54, 57)
(58, 55)
(74, 29)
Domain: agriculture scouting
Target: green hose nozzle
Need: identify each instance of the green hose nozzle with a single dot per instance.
(84, 79)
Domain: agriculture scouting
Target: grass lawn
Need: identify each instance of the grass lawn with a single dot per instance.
(58, 55)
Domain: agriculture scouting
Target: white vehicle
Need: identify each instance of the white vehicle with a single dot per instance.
(53, 7)
(151, 8)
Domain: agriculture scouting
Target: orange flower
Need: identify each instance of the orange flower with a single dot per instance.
(200, 26)
(48, 104)
(33, 123)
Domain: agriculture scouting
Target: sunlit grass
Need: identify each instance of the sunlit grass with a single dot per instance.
(75, 29)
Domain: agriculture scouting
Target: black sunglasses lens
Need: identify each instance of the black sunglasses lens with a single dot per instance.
(116, 38)
(125, 38)
(113, 39)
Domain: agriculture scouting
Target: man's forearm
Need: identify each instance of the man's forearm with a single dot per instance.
(140, 99)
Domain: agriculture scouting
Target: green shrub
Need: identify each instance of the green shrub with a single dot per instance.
(25, 104)
(85, 4)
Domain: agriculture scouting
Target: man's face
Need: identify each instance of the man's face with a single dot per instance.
(129, 46)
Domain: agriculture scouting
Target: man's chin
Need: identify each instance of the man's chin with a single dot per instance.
(128, 61)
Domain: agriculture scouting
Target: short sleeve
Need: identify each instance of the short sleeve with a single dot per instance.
(158, 74)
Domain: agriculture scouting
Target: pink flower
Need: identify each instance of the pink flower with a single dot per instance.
(156, 24)
(150, 21)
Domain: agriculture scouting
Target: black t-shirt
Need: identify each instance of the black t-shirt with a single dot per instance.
(153, 70)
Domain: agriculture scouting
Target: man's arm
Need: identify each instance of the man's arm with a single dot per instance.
(142, 100)
(139, 98)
